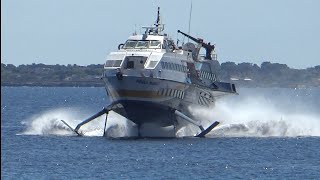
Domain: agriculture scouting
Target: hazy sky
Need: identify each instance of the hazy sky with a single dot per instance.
(84, 31)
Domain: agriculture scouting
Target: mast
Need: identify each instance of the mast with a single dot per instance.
(158, 21)
(157, 27)
(190, 20)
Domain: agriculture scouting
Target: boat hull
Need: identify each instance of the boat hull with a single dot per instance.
(148, 100)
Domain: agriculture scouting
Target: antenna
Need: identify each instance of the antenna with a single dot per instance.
(158, 21)
(190, 19)
(157, 28)
(135, 29)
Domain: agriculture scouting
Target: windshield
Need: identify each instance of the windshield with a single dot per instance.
(153, 44)
(130, 44)
(142, 44)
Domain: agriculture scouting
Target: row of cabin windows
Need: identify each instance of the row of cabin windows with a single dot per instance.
(172, 93)
(142, 44)
(174, 66)
(207, 75)
(150, 44)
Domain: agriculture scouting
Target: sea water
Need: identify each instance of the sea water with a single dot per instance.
(263, 133)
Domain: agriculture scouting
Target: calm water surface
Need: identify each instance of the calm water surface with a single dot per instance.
(285, 145)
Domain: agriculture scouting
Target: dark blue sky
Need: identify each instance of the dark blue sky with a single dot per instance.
(84, 31)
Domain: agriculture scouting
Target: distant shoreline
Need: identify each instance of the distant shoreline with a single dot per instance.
(268, 75)
(51, 85)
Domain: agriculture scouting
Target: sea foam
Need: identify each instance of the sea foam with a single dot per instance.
(258, 116)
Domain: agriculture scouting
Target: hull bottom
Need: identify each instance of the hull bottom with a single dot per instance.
(142, 113)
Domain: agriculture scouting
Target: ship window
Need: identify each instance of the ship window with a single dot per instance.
(130, 44)
(130, 65)
(175, 93)
(167, 92)
(109, 63)
(162, 92)
(155, 44)
(152, 64)
(177, 67)
(113, 63)
(117, 63)
(142, 44)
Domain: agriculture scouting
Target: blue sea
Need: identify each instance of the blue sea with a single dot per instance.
(265, 133)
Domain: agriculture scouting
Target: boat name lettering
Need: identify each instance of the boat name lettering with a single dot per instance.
(140, 81)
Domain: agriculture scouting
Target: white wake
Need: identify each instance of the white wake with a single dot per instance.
(49, 123)
(259, 117)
